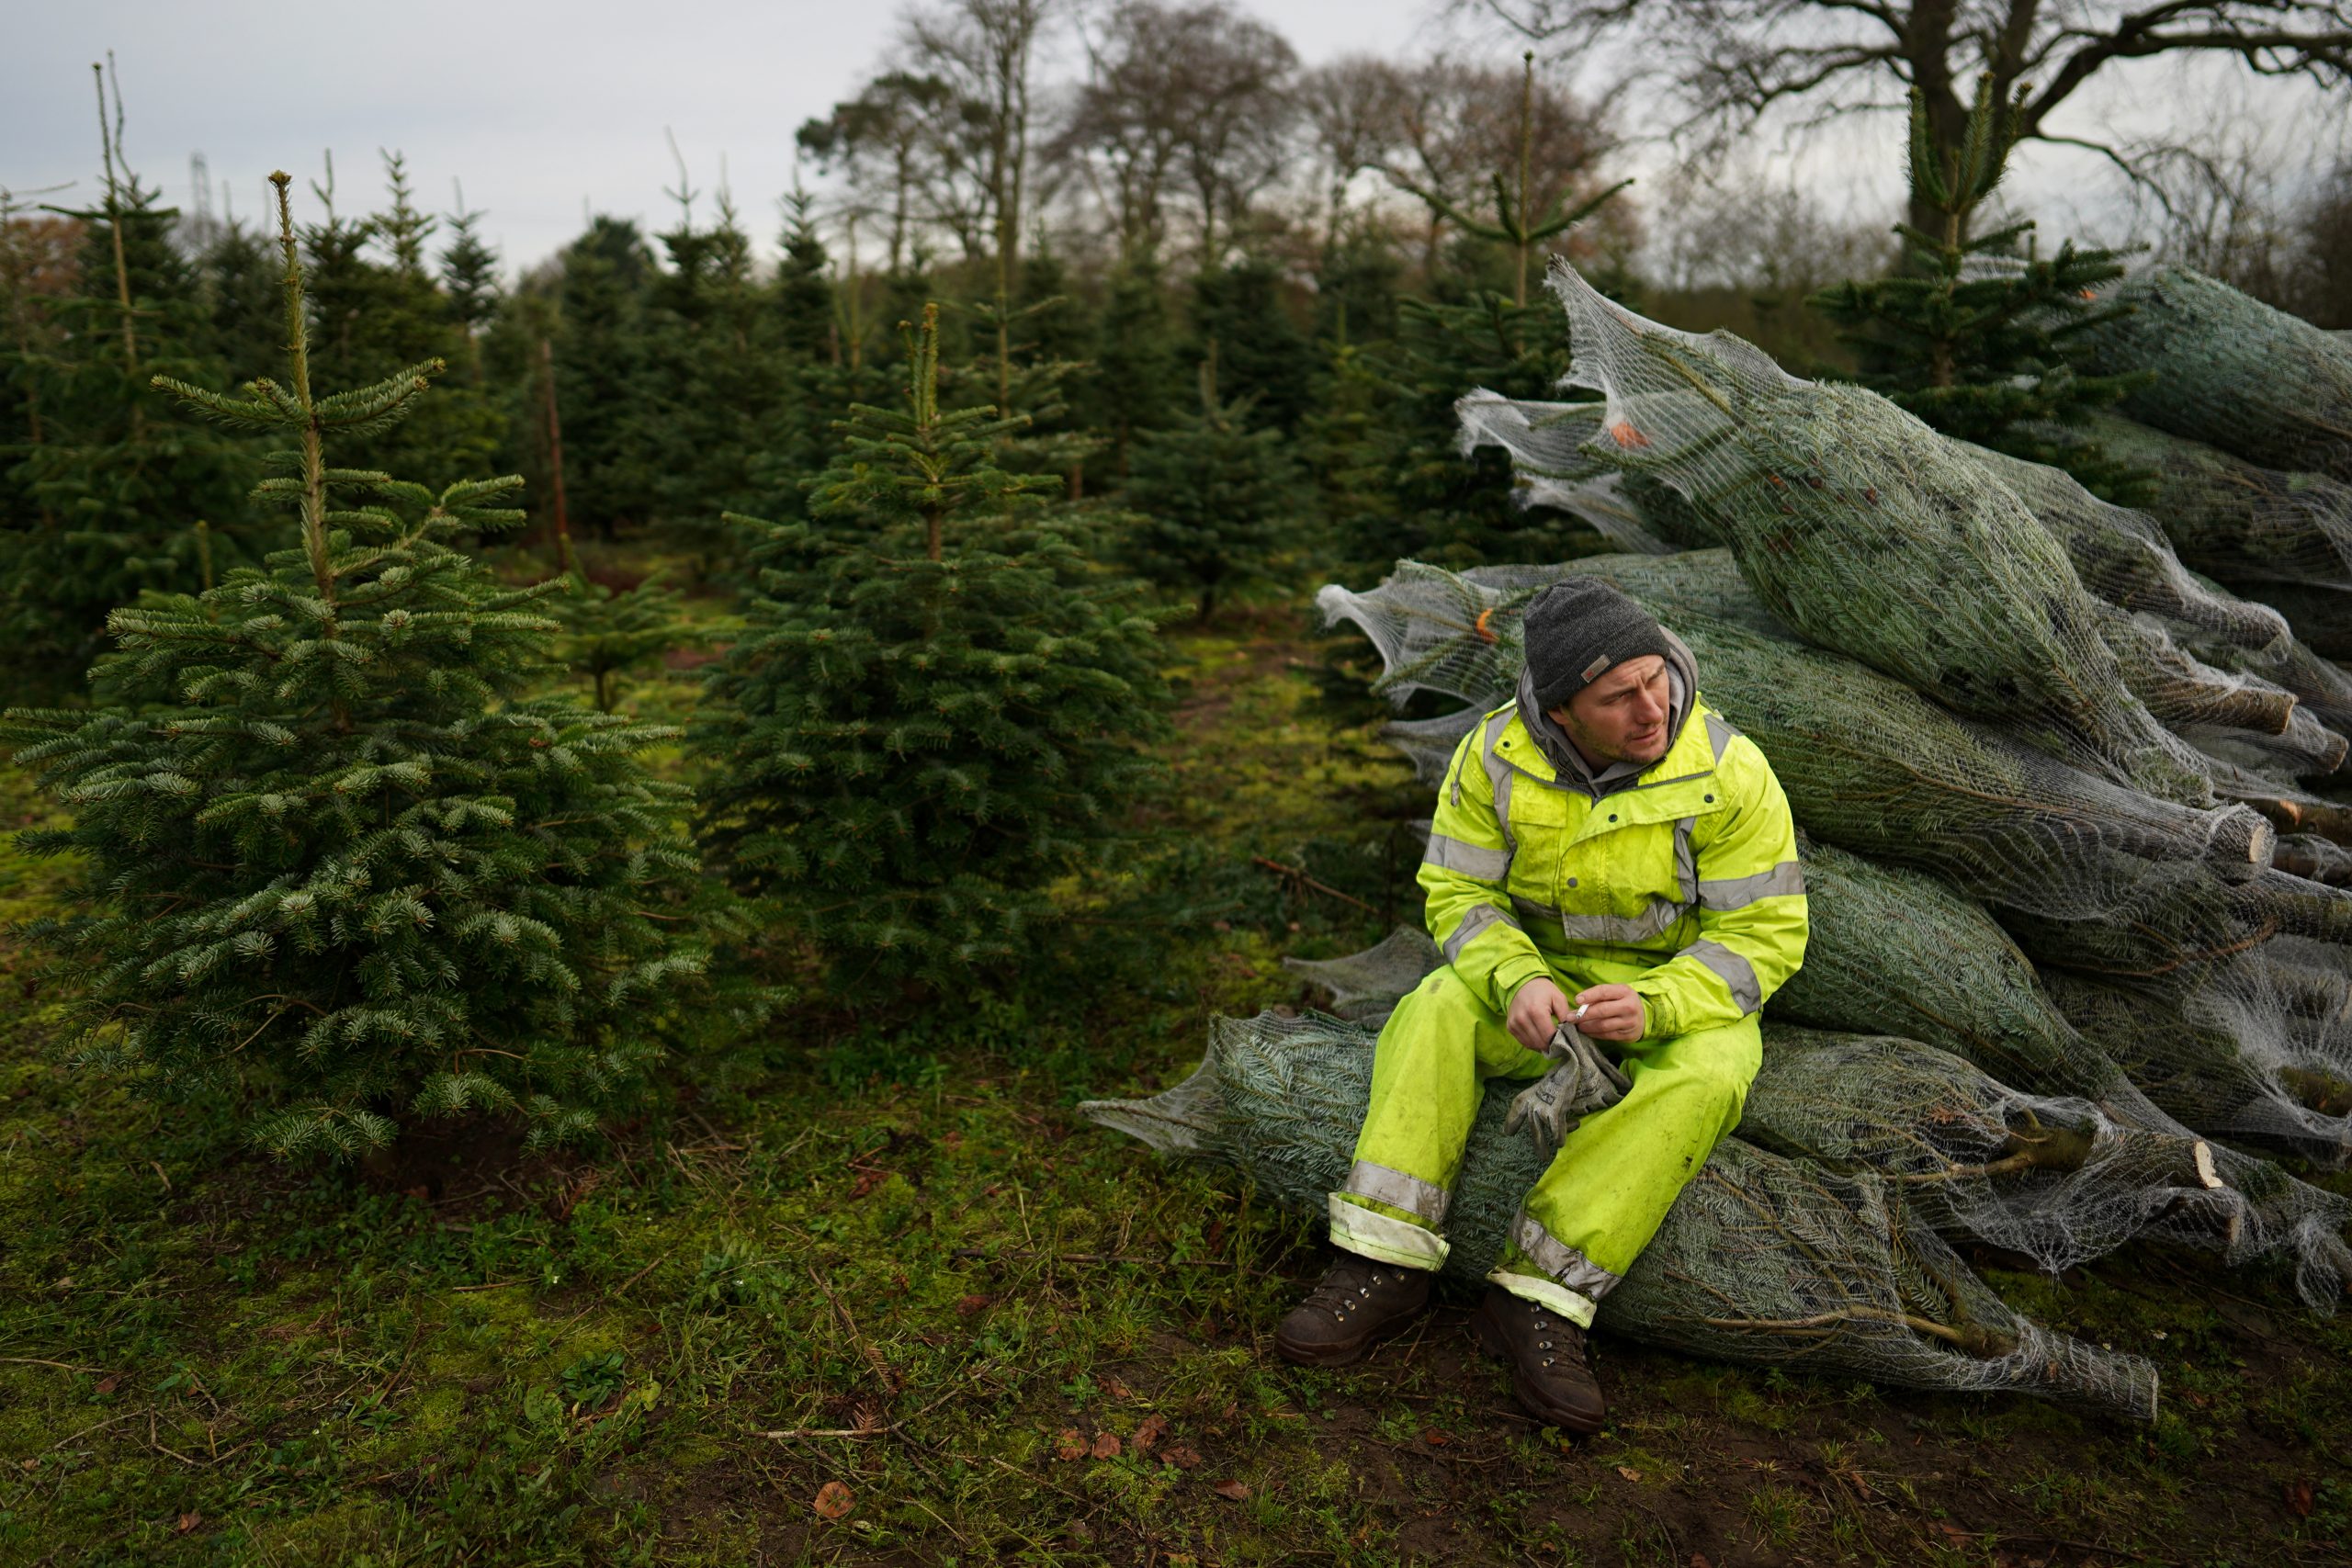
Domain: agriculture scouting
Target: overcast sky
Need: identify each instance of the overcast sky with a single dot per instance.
(542, 109)
(536, 107)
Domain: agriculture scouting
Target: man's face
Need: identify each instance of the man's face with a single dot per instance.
(1622, 717)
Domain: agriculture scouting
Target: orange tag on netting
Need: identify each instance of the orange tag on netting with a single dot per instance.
(1625, 435)
(1483, 626)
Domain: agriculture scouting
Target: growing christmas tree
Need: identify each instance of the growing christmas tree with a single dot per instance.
(334, 854)
(1214, 496)
(1975, 336)
(607, 634)
(107, 494)
(938, 708)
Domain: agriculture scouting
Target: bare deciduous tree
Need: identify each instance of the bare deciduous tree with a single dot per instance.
(1459, 127)
(881, 143)
(1192, 96)
(1352, 113)
(1731, 60)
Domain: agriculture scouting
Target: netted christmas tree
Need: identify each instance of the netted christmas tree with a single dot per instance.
(938, 708)
(334, 854)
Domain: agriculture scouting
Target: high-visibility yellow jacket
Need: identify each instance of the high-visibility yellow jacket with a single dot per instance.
(1689, 874)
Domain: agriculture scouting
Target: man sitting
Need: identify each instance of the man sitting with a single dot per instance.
(1612, 877)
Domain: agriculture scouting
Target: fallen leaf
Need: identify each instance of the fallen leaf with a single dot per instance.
(1629, 1472)
(421, 1195)
(109, 1382)
(1698, 1560)
(1069, 1445)
(970, 1305)
(188, 1522)
(1106, 1445)
(1232, 1491)
(867, 1180)
(1183, 1456)
(1116, 1389)
(1148, 1435)
(28, 1464)
(2298, 1498)
(1435, 1439)
(834, 1501)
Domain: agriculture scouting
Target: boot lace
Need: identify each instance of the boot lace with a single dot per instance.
(1350, 1286)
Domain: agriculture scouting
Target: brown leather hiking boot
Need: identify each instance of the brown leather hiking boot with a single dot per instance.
(1359, 1304)
(1549, 1372)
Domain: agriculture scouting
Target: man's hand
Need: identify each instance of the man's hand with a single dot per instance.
(1536, 1009)
(1610, 1012)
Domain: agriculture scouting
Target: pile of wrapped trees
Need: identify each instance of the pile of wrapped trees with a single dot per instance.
(2071, 780)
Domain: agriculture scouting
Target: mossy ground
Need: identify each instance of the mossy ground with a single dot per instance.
(890, 1277)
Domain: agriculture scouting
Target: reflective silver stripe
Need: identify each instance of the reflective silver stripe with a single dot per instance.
(1738, 892)
(1394, 1188)
(1719, 735)
(1558, 1259)
(1498, 774)
(1461, 760)
(1480, 917)
(1451, 854)
(1729, 968)
(1533, 914)
(1686, 865)
(1661, 914)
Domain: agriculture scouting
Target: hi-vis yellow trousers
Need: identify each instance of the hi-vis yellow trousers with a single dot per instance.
(1606, 1191)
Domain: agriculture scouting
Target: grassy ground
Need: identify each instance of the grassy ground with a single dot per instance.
(887, 1301)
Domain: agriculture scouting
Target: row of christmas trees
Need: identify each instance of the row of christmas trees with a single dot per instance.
(342, 857)
(649, 386)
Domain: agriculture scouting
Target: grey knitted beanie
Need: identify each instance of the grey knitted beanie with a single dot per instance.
(1577, 629)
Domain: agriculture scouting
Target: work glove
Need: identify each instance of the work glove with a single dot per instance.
(1584, 1080)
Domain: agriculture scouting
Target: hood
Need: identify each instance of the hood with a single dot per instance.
(1683, 678)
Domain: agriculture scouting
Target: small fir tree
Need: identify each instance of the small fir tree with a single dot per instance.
(1214, 496)
(1975, 336)
(609, 632)
(109, 492)
(334, 854)
(1263, 357)
(1135, 356)
(937, 710)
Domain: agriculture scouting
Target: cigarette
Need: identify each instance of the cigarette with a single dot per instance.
(1577, 1014)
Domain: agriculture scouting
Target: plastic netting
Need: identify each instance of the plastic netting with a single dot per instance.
(1866, 762)
(2222, 1048)
(1896, 950)
(2320, 615)
(1762, 1259)
(1867, 532)
(2120, 556)
(2320, 685)
(2124, 556)
(1899, 953)
(2055, 1179)
(2229, 370)
(1558, 461)
(2233, 519)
